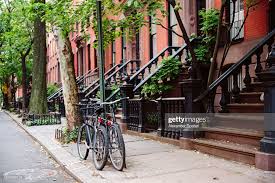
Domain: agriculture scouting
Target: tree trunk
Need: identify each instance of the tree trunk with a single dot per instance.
(24, 84)
(6, 95)
(70, 89)
(38, 102)
(216, 49)
(13, 91)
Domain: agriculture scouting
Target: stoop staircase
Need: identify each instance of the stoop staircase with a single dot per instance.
(239, 127)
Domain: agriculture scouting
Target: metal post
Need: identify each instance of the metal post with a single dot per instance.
(100, 50)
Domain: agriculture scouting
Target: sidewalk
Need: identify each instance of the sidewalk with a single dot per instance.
(147, 162)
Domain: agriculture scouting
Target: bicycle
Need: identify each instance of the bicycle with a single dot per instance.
(92, 135)
(106, 137)
(116, 148)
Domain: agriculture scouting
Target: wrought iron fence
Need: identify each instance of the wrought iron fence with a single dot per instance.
(43, 119)
(142, 115)
(149, 115)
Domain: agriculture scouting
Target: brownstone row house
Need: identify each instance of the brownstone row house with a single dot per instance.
(237, 90)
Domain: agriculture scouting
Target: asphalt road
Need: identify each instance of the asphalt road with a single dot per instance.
(22, 160)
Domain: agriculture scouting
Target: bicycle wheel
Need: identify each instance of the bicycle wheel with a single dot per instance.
(117, 147)
(83, 143)
(100, 148)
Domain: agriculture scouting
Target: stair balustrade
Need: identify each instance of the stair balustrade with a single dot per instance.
(240, 77)
(124, 71)
(148, 70)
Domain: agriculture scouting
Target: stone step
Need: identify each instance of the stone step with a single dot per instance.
(250, 97)
(228, 150)
(239, 121)
(239, 136)
(257, 87)
(246, 108)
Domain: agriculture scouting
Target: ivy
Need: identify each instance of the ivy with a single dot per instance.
(170, 69)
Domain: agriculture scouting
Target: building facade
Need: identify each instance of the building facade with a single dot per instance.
(153, 38)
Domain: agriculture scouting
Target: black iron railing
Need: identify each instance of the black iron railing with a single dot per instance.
(243, 68)
(81, 81)
(149, 115)
(96, 82)
(125, 70)
(144, 72)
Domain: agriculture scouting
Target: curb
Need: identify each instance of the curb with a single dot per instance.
(63, 167)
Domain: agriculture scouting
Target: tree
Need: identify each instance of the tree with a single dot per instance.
(62, 16)
(16, 45)
(38, 101)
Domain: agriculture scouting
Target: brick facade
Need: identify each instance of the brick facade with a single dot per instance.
(255, 28)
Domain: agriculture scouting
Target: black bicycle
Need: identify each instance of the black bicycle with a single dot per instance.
(92, 135)
(101, 133)
(116, 146)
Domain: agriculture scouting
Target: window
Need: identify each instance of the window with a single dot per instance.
(236, 33)
(137, 46)
(113, 53)
(58, 70)
(172, 21)
(95, 57)
(89, 57)
(124, 46)
(153, 38)
(80, 61)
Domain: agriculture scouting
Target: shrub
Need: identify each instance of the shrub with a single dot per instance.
(170, 68)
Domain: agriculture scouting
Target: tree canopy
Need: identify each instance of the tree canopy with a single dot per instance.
(15, 39)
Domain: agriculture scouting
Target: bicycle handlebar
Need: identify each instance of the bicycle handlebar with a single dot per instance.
(113, 102)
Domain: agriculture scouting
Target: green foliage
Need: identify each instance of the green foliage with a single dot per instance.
(152, 118)
(170, 69)
(70, 136)
(51, 89)
(207, 39)
(43, 121)
(15, 39)
(129, 16)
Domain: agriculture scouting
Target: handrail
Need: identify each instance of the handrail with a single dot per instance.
(235, 67)
(155, 71)
(113, 74)
(143, 68)
(97, 80)
(152, 60)
(79, 79)
(86, 75)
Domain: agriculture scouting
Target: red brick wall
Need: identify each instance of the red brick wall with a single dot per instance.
(257, 22)
(256, 25)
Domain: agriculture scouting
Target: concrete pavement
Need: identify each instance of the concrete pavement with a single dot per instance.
(150, 161)
(22, 160)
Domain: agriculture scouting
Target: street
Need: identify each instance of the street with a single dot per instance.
(22, 160)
